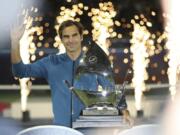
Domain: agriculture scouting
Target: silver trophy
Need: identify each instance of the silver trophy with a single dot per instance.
(101, 104)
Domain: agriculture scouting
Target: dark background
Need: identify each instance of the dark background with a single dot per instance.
(49, 9)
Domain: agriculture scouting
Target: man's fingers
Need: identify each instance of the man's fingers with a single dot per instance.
(29, 21)
(128, 120)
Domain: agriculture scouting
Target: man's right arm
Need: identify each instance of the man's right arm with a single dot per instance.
(19, 69)
(17, 31)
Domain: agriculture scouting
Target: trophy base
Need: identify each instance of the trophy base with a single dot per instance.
(99, 121)
(100, 111)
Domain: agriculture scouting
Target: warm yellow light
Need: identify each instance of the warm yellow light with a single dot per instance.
(153, 13)
(86, 7)
(125, 60)
(80, 5)
(62, 8)
(126, 50)
(41, 38)
(33, 57)
(117, 23)
(39, 44)
(149, 24)
(41, 53)
(136, 17)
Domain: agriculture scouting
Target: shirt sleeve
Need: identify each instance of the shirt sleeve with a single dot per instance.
(36, 69)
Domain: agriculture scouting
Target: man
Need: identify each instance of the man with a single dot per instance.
(55, 69)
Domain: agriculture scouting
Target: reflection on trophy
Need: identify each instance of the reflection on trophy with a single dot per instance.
(101, 103)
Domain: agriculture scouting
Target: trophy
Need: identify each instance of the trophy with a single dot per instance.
(101, 104)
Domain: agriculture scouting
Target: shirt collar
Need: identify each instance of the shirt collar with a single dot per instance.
(67, 57)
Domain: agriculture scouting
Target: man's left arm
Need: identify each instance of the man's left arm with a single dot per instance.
(122, 107)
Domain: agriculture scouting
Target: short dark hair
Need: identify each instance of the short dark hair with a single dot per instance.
(70, 23)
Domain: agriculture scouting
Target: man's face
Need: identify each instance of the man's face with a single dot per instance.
(71, 39)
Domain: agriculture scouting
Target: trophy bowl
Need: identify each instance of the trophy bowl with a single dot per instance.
(102, 98)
